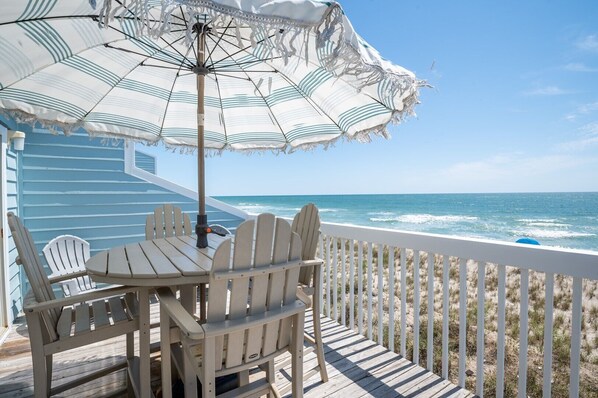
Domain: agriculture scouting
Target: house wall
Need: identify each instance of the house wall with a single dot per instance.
(13, 277)
(78, 185)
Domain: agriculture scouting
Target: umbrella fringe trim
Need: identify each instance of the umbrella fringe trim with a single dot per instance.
(56, 127)
(344, 58)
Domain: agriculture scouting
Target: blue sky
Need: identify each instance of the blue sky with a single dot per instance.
(513, 108)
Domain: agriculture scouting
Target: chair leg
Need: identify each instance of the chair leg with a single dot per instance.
(41, 379)
(318, 325)
(49, 372)
(190, 375)
(165, 353)
(243, 378)
(42, 376)
(208, 371)
(319, 346)
(297, 355)
(270, 377)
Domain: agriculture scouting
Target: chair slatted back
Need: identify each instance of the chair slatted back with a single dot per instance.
(38, 279)
(307, 224)
(167, 221)
(67, 254)
(259, 244)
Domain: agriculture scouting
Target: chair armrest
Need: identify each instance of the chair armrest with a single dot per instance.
(184, 320)
(97, 294)
(59, 278)
(309, 263)
(301, 295)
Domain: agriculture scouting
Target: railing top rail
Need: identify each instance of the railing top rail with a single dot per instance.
(577, 263)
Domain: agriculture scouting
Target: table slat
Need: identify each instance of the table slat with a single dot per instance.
(138, 263)
(200, 260)
(97, 264)
(160, 261)
(118, 265)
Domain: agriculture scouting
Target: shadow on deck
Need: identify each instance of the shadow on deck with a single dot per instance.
(357, 367)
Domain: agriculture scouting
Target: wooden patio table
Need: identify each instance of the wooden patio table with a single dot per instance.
(173, 261)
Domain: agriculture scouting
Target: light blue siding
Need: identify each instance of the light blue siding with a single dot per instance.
(145, 162)
(77, 185)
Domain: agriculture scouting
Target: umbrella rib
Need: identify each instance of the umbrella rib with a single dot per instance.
(241, 63)
(310, 101)
(253, 62)
(220, 38)
(108, 92)
(221, 109)
(157, 49)
(187, 28)
(218, 85)
(246, 71)
(260, 92)
(170, 94)
(160, 66)
(143, 55)
(237, 52)
(231, 76)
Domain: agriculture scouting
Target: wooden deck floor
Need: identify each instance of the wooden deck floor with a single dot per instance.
(357, 367)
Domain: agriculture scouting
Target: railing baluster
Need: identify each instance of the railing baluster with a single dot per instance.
(500, 333)
(575, 337)
(352, 284)
(462, 319)
(335, 279)
(445, 315)
(548, 310)
(479, 377)
(380, 294)
(370, 288)
(403, 302)
(523, 332)
(344, 283)
(430, 357)
(416, 307)
(322, 274)
(391, 297)
(328, 240)
(360, 287)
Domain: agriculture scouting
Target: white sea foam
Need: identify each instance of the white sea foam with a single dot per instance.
(551, 234)
(423, 219)
(548, 224)
(325, 210)
(537, 220)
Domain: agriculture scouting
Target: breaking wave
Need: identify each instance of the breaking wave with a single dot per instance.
(421, 218)
(551, 234)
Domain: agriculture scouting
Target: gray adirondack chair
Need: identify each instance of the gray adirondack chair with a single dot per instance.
(307, 224)
(167, 221)
(60, 324)
(66, 256)
(262, 319)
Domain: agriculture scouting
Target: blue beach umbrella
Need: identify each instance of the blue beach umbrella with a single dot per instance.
(218, 75)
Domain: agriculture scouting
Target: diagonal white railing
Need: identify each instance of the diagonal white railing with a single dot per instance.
(487, 324)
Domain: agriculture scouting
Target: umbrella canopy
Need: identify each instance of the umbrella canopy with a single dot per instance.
(225, 74)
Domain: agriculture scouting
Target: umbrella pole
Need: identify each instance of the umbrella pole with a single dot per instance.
(202, 229)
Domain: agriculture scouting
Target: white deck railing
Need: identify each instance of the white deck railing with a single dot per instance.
(374, 280)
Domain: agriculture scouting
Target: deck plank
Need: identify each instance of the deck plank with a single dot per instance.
(357, 367)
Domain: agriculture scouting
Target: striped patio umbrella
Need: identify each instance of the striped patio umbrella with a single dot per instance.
(276, 75)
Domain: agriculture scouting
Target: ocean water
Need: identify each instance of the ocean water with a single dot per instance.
(567, 220)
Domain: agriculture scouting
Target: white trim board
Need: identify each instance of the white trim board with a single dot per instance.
(131, 169)
(4, 297)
